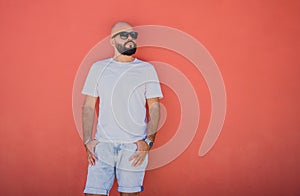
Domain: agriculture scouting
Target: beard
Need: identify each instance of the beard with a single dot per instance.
(126, 51)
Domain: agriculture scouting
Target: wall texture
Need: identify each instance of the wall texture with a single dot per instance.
(256, 45)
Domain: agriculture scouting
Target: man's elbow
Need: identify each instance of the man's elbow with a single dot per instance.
(88, 107)
(154, 106)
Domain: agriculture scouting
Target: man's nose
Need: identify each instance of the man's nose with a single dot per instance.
(129, 37)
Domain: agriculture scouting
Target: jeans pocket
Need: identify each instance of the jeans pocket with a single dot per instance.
(95, 148)
(136, 146)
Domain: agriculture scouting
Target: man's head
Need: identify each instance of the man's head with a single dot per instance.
(123, 38)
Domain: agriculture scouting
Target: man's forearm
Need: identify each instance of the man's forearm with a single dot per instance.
(88, 115)
(154, 115)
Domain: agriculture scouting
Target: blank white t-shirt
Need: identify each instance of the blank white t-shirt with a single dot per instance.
(123, 88)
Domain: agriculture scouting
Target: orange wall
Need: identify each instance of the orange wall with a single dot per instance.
(255, 43)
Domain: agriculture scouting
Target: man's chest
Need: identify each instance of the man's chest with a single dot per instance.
(122, 81)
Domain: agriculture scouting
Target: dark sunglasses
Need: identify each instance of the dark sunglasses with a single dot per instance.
(124, 35)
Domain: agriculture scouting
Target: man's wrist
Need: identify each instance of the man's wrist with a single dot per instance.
(87, 141)
(149, 142)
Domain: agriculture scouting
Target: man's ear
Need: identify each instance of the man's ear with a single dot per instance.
(112, 42)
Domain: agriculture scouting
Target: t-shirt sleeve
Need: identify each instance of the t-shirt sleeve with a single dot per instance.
(152, 84)
(90, 85)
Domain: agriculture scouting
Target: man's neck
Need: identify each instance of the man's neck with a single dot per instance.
(123, 58)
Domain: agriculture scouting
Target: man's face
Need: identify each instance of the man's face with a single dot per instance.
(125, 41)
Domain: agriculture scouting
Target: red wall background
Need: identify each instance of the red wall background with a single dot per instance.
(256, 45)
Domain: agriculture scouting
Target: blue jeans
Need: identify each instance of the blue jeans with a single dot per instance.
(113, 161)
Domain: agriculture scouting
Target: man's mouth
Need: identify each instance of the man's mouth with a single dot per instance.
(130, 44)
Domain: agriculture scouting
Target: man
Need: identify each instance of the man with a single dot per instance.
(125, 86)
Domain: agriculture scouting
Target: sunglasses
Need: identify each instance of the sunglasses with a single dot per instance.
(124, 35)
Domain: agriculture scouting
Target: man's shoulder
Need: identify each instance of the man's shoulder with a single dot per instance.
(102, 62)
(143, 63)
(100, 65)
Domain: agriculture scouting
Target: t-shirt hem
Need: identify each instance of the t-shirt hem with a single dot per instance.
(122, 141)
(87, 93)
(154, 96)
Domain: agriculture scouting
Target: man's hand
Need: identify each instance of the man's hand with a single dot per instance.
(90, 148)
(141, 153)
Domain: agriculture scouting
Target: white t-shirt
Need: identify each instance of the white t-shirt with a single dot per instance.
(123, 88)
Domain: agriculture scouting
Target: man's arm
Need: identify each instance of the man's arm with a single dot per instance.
(154, 114)
(143, 148)
(88, 115)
